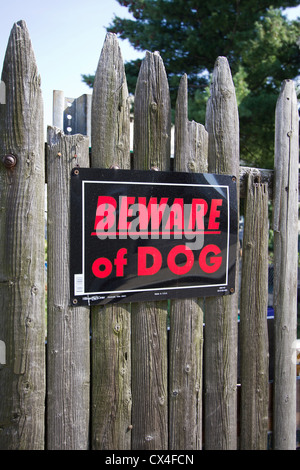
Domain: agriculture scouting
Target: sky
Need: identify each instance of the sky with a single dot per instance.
(67, 39)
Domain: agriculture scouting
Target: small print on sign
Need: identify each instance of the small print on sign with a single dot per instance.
(147, 235)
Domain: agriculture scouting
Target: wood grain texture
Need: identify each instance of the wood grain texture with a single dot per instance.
(152, 114)
(186, 315)
(254, 346)
(149, 376)
(221, 313)
(111, 340)
(285, 226)
(259, 175)
(68, 333)
(152, 128)
(110, 109)
(191, 138)
(22, 281)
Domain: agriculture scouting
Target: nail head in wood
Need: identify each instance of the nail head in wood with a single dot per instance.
(9, 160)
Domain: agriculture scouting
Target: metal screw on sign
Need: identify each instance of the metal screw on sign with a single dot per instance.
(9, 160)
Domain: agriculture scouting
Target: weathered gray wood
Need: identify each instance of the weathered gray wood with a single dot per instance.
(110, 109)
(152, 127)
(254, 348)
(149, 376)
(186, 316)
(191, 138)
(111, 349)
(221, 314)
(22, 249)
(260, 175)
(285, 264)
(68, 332)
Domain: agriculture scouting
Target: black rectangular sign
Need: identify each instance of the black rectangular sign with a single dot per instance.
(151, 235)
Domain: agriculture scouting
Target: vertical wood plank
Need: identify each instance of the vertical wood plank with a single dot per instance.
(152, 116)
(110, 109)
(68, 332)
(152, 128)
(221, 314)
(186, 316)
(111, 349)
(22, 225)
(285, 264)
(191, 138)
(253, 324)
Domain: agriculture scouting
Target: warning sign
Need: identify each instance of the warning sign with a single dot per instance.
(148, 235)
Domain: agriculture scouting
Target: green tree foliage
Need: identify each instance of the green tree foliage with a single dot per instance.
(261, 45)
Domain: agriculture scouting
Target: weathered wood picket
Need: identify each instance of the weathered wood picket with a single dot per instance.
(119, 377)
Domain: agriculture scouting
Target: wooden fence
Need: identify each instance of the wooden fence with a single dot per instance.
(119, 376)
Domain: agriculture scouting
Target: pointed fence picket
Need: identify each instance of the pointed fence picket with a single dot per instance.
(22, 298)
(186, 316)
(110, 325)
(146, 375)
(68, 343)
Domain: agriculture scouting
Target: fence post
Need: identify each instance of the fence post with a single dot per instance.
(253, 325)
(111, 353)
(152, 128)
(22, 249)
(285, 264)
(68, 333)
(221, 314)
(186, 316)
